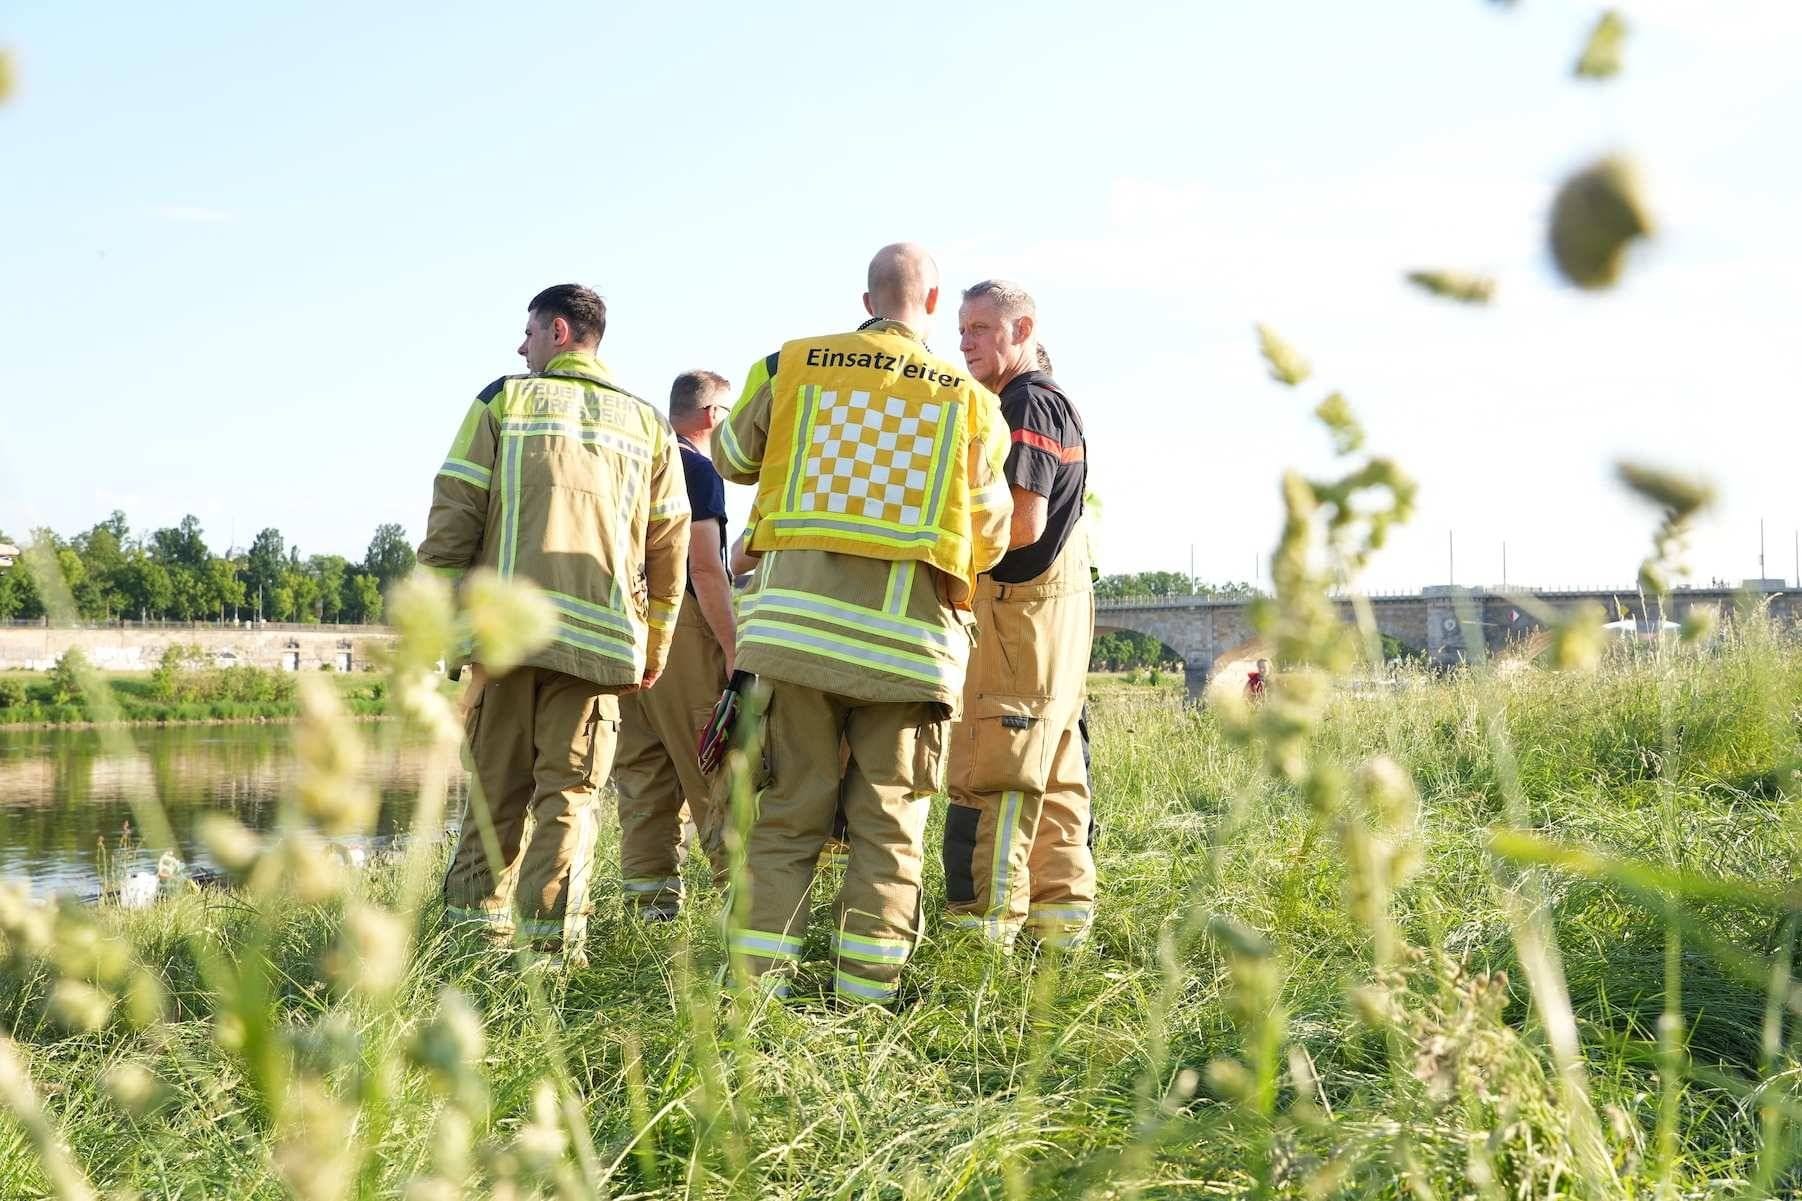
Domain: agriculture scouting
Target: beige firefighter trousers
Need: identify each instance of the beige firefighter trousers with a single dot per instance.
(656, 768)
(895, 764)
(539, 740)
(1018, 831)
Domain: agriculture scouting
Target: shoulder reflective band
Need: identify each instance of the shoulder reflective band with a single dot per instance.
(1051, 446)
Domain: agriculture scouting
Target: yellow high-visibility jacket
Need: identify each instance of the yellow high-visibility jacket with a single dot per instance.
(866, 443)
(870, 622)
(565, 479)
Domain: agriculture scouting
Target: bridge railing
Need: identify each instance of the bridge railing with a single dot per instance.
(247, 626)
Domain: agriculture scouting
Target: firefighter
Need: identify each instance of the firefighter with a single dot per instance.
(655, 770)
(880, 498)
(1018, 832)
(562, 478)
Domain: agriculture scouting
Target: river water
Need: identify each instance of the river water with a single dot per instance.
(65, 807)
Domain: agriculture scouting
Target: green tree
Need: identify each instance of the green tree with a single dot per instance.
(181, 545)
(102, 549)
(263, 569)
(225, 585)
(148, 591)
(329, 575)
(366, 593)
(390, 555)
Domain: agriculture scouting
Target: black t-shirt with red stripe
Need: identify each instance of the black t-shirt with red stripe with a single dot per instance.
(1048, 457)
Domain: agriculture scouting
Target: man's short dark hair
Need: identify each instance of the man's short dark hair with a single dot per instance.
(581, 307)
(692, 390)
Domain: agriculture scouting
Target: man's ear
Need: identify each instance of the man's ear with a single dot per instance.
(932, 301)
(1023, 327)
(560, 335)
(867, 306)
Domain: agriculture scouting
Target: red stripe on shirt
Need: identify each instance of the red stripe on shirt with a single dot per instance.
(1063, 454)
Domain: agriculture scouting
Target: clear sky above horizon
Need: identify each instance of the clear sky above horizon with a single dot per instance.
(256, 260)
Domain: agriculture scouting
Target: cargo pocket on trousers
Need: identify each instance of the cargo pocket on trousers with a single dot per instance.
(602, 731)
(928, 768)
(1004, 745)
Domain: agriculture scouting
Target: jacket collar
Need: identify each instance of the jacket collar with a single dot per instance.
(882, 325)
(579, 362)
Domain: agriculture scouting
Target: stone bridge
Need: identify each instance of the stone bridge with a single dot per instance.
(1439, 622)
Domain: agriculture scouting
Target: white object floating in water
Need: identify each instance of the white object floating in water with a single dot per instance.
(139, 890)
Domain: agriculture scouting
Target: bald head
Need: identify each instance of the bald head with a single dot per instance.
(904, 284)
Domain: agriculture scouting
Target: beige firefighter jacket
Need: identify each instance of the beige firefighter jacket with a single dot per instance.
(565, 479)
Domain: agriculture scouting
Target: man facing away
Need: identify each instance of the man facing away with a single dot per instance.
(1018, 831)
(562, 478)
(656, 769)
(879, 496)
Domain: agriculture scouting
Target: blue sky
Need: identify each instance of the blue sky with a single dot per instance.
(257, 259)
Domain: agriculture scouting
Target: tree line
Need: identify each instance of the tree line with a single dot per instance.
(171, 574)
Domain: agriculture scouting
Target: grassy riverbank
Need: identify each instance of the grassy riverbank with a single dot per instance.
(1281, 1053)
(33, 699)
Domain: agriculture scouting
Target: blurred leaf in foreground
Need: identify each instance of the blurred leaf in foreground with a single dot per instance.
(1597, 212)
(1601, 57)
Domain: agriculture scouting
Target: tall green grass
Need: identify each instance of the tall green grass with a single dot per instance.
(1228, 1032)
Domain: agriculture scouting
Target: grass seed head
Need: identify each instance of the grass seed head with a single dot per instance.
(300, 867)
(1596, 215)
(134, 1088)
(1455, 285)
(314, 1147)
(331, 789)
(1576, 643)
(78, 1007)
(421, 611)
(372, 952)
(508, 620)
(1286, 365)
(1601, 57)
(230, 843)
(1336, 415)
(1700, 625)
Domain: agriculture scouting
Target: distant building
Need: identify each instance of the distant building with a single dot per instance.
(8, 552)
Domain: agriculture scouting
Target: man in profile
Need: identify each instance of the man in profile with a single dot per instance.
(879, 499)
(562, 478)
(1018, 831)
(656, 770)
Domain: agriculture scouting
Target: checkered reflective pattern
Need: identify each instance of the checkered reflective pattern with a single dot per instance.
(869, 458)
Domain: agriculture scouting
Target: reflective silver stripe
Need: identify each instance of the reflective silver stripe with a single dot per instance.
(728, 443)
(1000, 870)
(799, 638)
(941, 484)
(669, 508)
(900, 587)
(761, 942)
(601, 644)
(510, 455)
(472, 473)
(803, 441)
(804, 525)
(987, 498)
(997, 929)
(871, 950)
(866, 990)
(612, 440)
(855, 616)
(590, 612)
